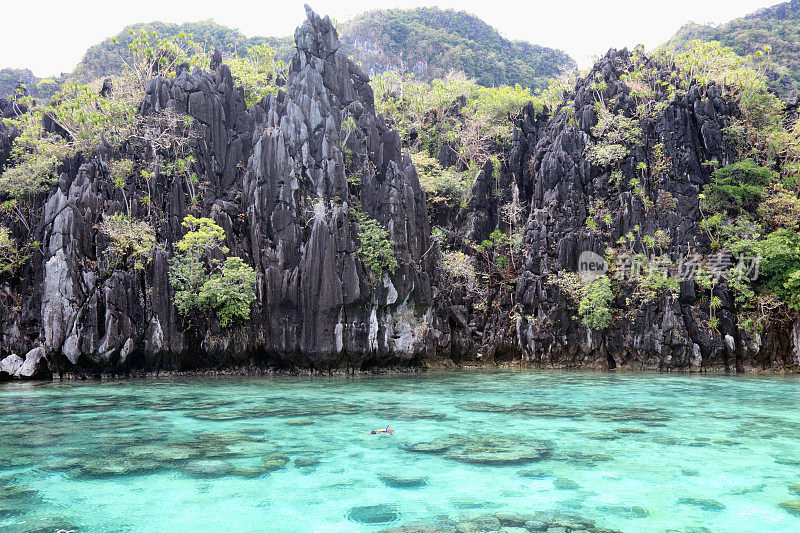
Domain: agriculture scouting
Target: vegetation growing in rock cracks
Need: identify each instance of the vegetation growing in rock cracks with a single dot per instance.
(776, 29)
(80, 118)
(131, 241)
(592, 297)
(455, 111)
(615, 133)
(456, 115)
(376, 249)
(9, 251)
(594, 307)
(203, 282)
(258, 72)
(749, 206)
(446, 186)
(459, 270)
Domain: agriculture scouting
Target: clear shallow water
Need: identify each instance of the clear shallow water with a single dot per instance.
(633, 452)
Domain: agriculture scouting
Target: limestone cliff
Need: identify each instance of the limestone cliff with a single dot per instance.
(274, 179)
(286, 179)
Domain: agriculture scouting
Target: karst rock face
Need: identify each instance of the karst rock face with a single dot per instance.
(315, 296)
(290, 178)
(669, 332)
(274, 178)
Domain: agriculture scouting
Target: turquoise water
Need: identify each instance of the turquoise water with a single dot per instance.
(630, 452)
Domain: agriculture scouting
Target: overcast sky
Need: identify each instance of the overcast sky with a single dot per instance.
(50, 37)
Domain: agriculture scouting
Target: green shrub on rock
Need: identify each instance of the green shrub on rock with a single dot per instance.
(8, 251)
(258, 72)
(202, 282)
(377, 249)
(230, 291)
(132, 241)
(594, 307)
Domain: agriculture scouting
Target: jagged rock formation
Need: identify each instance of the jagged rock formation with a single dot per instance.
(274, 179)
(667, 333)
(546, 172)
(479, 326)
(287, 181)
(316, 298)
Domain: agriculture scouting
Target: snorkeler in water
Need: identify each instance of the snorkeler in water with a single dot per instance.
(388, 431)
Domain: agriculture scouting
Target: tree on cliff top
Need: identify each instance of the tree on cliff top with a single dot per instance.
(776, 27)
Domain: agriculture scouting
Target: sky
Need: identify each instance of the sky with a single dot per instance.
(59, 32)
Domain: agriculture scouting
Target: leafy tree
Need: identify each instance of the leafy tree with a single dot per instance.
(153, 54)
(132, 241)
(12, 254)
(376, 249)
(594, 307)
(258, 72)
(779, 274)
(188, 270)
(202, 282)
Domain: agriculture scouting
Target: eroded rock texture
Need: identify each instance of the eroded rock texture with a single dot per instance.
(285, 180)
(274, 178)
(667, 333)
(316, 299)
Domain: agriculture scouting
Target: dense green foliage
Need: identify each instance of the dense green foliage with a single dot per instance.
(230, 293)
(593, 297)
(109, 57)
(446, 186)
(9, 251)
(257, 72)
(376, 249)
(431, 42)
(202, 282)
(11, 78)
(776, 27)
(594, 307)
(131, 241)
(477, 122)
(738, 187)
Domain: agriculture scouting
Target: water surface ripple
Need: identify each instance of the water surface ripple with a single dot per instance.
(567, 451)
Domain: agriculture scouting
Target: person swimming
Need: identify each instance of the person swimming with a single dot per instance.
(387, 431)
